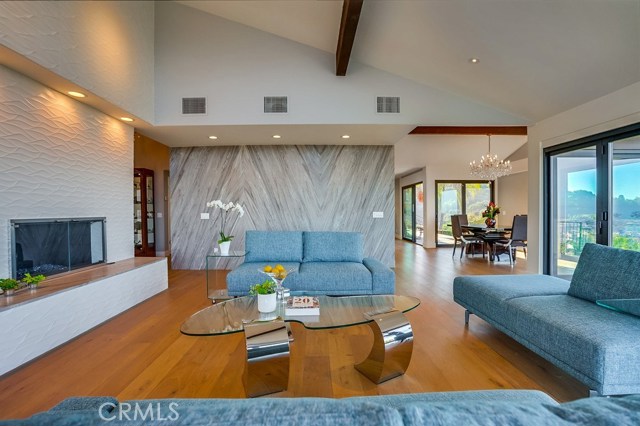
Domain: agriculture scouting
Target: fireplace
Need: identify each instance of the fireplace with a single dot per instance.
(53, 246)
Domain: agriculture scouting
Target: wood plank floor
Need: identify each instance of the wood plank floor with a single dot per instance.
(141, 353)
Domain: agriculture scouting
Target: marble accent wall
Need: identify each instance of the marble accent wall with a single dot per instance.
(317, 188)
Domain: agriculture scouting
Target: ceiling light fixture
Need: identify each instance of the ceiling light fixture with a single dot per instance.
(127, 119)
(474, 60)
(77, 94)
(277, 136)
(489, 167)
(345, 136)
(213, 137)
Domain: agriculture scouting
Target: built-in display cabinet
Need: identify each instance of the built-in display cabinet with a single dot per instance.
(143, 213)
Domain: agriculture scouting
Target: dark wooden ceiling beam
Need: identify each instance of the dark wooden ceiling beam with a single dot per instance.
(348, 26)
(470, 130)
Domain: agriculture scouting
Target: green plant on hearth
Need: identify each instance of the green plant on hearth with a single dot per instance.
(9, 284)
(30, 280)
(266, 287)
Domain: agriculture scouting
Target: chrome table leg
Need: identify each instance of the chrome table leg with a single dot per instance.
(392, 347)
(267, 368)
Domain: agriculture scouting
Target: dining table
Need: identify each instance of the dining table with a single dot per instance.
(489, 236)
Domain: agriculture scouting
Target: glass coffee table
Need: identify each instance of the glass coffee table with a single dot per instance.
(267, 336)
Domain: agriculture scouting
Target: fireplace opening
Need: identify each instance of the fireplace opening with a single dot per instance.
(53, 246)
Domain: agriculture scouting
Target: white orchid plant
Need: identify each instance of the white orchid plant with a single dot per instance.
(225, 210)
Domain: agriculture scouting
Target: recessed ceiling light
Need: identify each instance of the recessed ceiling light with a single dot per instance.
(474, 60)
(213, 137)
(77, 94)
(345, 136)
(127, 119)
(277, 136)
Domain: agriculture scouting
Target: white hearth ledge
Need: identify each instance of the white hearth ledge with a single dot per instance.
(33, 328)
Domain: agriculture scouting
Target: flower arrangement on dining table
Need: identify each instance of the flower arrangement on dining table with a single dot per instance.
(227, 209)
(490, 213)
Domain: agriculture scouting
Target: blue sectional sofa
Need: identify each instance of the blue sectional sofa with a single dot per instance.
(329, 263)
(561, 321)
(499, 407)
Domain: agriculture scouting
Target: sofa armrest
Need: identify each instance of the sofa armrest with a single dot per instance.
(382, 277)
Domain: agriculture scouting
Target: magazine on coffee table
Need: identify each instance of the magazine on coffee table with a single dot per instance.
(302, 305)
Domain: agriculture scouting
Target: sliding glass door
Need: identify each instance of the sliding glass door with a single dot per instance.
(408, 213)
(574, 212)
(592, 196)
(413, 213)
(459, 197)
(625, 188)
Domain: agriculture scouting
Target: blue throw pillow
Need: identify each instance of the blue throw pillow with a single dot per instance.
(333, 247)
(606, 273)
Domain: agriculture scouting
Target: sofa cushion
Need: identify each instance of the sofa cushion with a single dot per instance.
(273, 246)
(484, 294)
(333, 247)
(600, 411)
(597, 345)
(247, 274)
(333, 278)
(606, 273)
(477, 413)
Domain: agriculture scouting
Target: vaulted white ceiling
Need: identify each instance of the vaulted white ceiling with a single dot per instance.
(536, 57)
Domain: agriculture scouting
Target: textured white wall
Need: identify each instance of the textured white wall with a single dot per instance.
(61, 158)
(235, 66)
(107, 47)
(609, 112)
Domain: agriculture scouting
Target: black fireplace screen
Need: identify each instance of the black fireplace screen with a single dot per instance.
(52, 246)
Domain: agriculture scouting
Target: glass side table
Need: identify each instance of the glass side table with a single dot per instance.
(217, 292)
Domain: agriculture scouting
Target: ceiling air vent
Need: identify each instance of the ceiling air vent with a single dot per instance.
(194, 106)
(388, 104)
(277, 104)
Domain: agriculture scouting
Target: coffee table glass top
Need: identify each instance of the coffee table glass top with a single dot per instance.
(229, 316)
(628, 306)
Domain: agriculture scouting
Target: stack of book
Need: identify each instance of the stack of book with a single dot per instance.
(302, 305)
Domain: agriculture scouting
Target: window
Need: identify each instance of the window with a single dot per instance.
(593, 196)
(459, 197)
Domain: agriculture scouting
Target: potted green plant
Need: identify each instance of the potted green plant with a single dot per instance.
(266, 292)
(9, 285)
(32, 281)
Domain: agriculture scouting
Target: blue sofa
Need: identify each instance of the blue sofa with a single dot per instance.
(329, 263)
(561, 321)
(499, 407)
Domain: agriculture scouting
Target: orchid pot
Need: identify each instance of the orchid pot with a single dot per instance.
(224, 247)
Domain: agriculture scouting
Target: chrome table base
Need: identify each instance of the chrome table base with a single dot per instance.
(392, 347)
(267, 368)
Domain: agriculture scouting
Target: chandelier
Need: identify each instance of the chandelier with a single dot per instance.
(489, 167)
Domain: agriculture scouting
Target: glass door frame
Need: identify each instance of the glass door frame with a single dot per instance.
(602, 142)
(492, 186)
(412, 187)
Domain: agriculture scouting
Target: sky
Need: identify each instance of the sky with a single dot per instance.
(626, 180)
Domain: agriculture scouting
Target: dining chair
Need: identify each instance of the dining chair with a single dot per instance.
(517, 239)
(457, 220)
